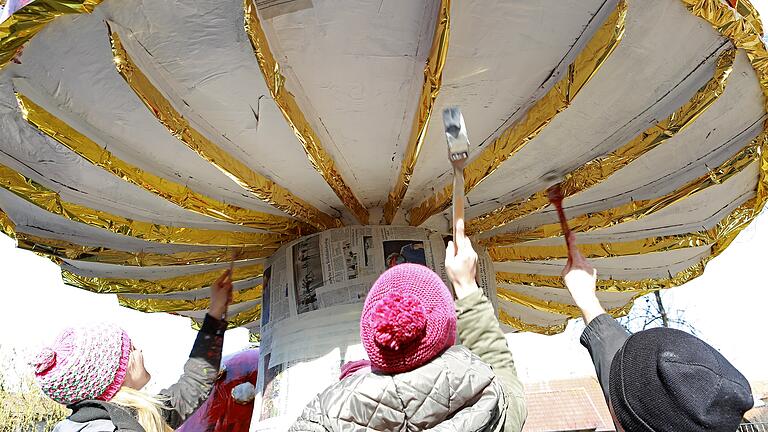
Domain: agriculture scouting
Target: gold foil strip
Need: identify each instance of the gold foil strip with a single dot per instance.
(600, 168)
(749, 13)
(255, 183)
(554, 307)
(512, 321)
(57, 250)
(50, 201)
(180, 305)
(7, 225)
(636, 210)
(727, 230)
(606, 250)
(609, 285)
(746, 32)
(246, 317)
(176, 193)
(557, 99)
(60, 249)
(433, 77)
(176, 284)
(316, 154)
(26, 22)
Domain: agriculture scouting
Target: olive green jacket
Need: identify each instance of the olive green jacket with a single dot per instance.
(479, 331)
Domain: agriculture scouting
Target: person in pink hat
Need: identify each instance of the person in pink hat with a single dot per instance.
(416, 376)
(98, 373)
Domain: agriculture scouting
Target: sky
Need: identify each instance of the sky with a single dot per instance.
(36, 306)
(727, 305)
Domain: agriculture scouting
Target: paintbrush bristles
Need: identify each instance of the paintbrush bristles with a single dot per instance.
(455, 134)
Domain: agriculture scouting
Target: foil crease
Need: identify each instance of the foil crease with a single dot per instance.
(636, 210)
(600, 168)
(26, 22)
(749, 13)
(50, 201)
(181, 305)
(176, 284)
(176, 193)
(556, 100)
(7, 225)
(255, 183)
(433, 77)
(320, 160)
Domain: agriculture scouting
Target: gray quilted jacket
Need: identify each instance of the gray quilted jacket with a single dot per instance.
(454, 392)
(457, 391)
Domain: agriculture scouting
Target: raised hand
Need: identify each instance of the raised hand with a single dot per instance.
(579, 276)
(461, 263)
(221, 295)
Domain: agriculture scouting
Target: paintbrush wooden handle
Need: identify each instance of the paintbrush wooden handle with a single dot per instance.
(555, 195)
(458, 193)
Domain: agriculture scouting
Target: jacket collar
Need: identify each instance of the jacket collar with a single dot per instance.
(91, 410)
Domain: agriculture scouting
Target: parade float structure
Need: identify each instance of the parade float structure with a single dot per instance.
(229, 408)
(146, 144)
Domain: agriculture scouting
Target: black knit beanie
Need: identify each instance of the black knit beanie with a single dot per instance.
(668, 380)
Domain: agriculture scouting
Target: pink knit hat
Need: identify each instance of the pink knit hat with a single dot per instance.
(408, 319)
(84, 363)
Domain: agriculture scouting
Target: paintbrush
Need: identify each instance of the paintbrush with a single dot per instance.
(555, 195)
(235, 254)
(458, 151)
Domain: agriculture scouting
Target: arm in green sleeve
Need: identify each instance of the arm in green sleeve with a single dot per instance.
(479, 331)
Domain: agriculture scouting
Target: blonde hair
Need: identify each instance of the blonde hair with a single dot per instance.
(148, 409)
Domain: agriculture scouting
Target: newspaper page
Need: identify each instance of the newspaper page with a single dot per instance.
(314, 289)
(486, 275)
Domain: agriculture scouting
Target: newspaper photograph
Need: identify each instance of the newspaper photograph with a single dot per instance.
(307, 273)
(368, 251)
(275, 301)
(404, 251)
(266, 305)
(273, 400)
(405, 245)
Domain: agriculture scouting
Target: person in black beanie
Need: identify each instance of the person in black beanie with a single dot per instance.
(657, 380)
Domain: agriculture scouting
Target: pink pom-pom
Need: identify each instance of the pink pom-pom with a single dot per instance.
(44, 360)
(398, 319)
